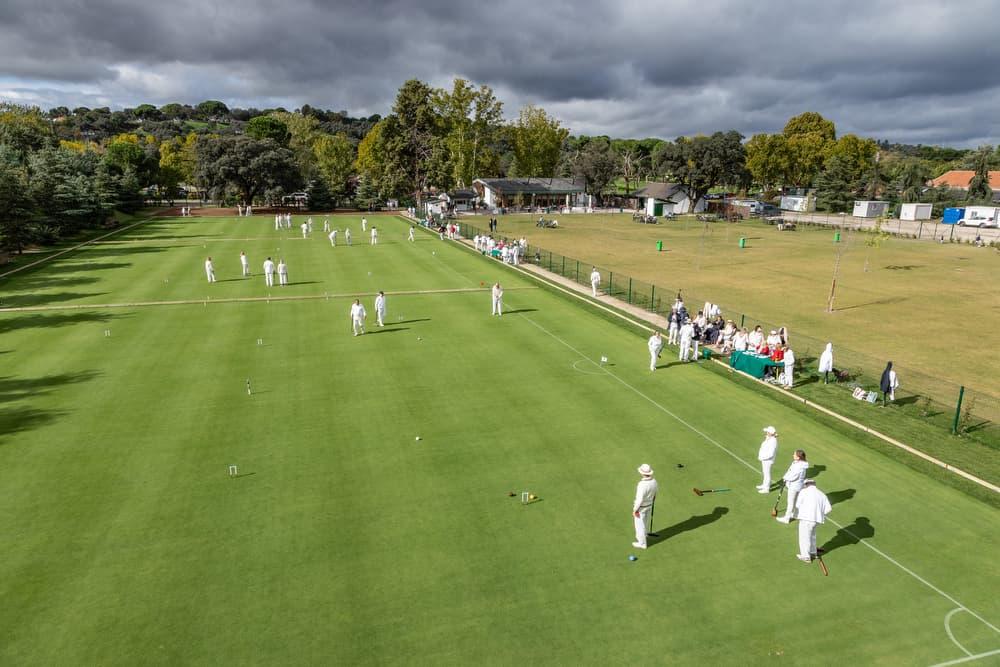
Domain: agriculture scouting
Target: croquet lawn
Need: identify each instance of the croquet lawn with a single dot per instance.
(370, 521)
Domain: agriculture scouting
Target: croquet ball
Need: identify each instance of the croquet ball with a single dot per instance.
(680, 465)
(632, 558)
(532, 496)
(419, 338)
(417, 438)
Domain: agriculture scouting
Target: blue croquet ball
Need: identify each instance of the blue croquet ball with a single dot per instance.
(633, 558)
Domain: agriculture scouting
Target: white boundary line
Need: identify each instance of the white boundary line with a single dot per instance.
(951, 635)
(970, 658)
(754, 470)
(48, 258)
(804, 401)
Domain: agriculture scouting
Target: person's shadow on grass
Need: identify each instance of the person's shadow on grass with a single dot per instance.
(849, 535)
(840, 496)
(812, 471)
(696, 521)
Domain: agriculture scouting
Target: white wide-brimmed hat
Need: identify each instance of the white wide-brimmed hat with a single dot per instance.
(770, 429)
(645, 470)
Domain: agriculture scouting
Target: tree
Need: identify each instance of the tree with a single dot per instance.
(16, 229)
(320, 198)
(177, 162)
(333, 156)
(911, 179)
(630, 161)
(596, 165)
(769, 160)
(810, 137)
(470, 124)
(147, 112)
(838, 186)
(268, 127)
(211, 109)
(537, 141)
(24, 129)
(979, 186)
(250, 166)
(700, 163)
(855, 153)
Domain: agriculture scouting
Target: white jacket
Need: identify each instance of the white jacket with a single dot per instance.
(768, 449)
(645, 494)
(826, 359)
(812, 505)
(655, 344)
(796, 474)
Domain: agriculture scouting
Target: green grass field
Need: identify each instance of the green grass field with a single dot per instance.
(347, 541)
(919, 304)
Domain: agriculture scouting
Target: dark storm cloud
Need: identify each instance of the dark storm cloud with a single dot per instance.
(906, 71)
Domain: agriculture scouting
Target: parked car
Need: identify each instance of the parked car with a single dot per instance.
(979, 216)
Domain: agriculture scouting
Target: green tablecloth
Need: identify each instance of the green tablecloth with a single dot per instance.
(751, 364)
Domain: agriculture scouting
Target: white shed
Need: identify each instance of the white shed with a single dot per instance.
(798, 203)
(870, 209)
(915, 212)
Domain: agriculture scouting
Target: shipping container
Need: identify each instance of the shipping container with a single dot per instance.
(870, 209)
(915, 212)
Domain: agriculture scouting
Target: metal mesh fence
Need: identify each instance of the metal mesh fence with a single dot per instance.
(961, 410)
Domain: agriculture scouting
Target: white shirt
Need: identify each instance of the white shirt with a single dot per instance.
(789, 358)
(812, 505)
(645, 493)
(687, 332)
(243, 260)
(333, 234)
(208, 265)
(595, 277)
(357, 312)
(740, 341)
(796, 474)
(282, 269)
(380, 303)
(755, 339)
(497, 292)
(768, 449)
(826, 359)
(268, 266)
(655, 344)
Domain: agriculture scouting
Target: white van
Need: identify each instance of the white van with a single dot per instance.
(980, 216)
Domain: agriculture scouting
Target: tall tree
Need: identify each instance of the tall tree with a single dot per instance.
(769, 160)
(471, 122)
(537, 141)
(596, 165)
(248, 165)
(24, 129)
(268, 127)
(838, 186)
(16, 229)
(333, 156)
(810, 137)
(700, 163)
(979, 186)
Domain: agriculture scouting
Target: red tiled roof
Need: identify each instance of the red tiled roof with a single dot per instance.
(958, 178)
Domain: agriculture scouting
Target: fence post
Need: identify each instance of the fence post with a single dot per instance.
(743, 319)
(920, 229)
(550, 261)
(652, 297)
(577, 270)
(563, 272)
(958, 410)
(611, 282)
(630, 290)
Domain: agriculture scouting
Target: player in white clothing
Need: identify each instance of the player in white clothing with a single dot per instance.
(642, 508)
(687, 336)
(411, 234)
(364, 224)
(794, 478)
(380, 308)
(305, 230)
(326, 224)
(347, 235)
(244, 263)
(209, 270)
(374, 236)
(595, 281)
(811, 508)
(358, 315)
(497, 293)
(282, 272)
(268, 272)
(333, 238)
(768, 450)
(655, 345)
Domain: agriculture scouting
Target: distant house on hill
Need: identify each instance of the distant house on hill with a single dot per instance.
(960, 178)
(511, 192)
(663, 198)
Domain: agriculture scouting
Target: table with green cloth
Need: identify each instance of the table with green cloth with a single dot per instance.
(751, 363)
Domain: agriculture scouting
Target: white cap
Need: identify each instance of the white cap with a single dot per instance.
(770, 429)
(645, 470)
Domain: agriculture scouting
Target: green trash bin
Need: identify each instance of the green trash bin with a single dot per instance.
(706, 353)
(743, 242)
(659, 246)
(836, 237)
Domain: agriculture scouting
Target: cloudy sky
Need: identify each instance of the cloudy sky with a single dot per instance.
(908, 71)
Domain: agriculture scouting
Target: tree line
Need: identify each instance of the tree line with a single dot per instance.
(65, 170)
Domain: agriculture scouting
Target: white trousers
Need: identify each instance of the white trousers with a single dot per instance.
(765, 468)
(282, 278)
(333, 240)
(793, 493)
(685, 349)
(807, 538)
(210, 274)
(357, 325)
(789, 373)
(593, 288)
(672, 334)
(497, 306)
(246, 269)
(374, 240)
(642, 525)
(411, 237)
(652, 360)
(269, 279)
(380, 316)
